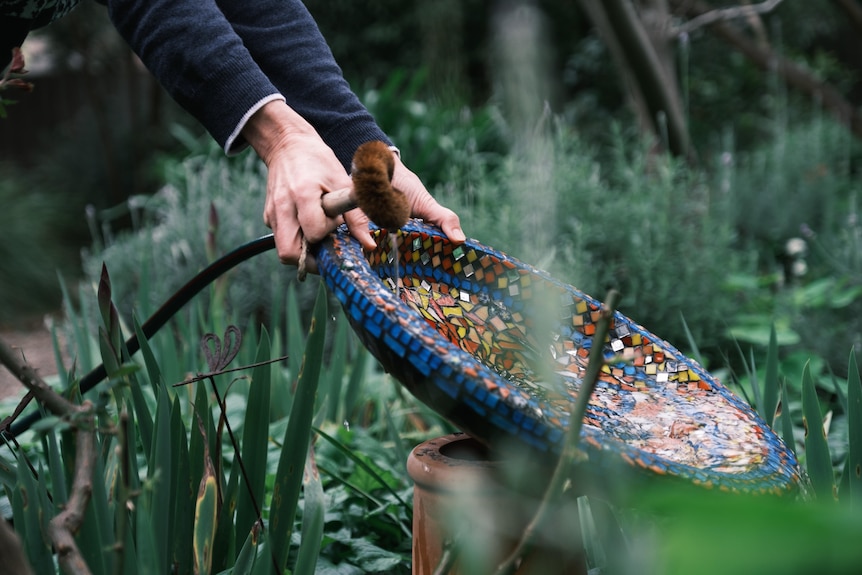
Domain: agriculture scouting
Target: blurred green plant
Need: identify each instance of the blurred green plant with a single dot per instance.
(794, 204)
(199, 478)
(33, 250)
(209, 205)
(620, 218)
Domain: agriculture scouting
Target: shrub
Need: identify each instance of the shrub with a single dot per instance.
(33, 249)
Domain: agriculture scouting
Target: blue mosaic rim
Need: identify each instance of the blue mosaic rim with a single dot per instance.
(493, 408)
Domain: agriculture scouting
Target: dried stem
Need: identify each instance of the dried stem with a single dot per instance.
(63, 526)
(12, 552)
(724, 14)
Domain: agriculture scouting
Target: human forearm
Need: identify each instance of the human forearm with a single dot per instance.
(193, 51)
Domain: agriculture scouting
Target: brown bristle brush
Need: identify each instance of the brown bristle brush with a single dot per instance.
(373, 165)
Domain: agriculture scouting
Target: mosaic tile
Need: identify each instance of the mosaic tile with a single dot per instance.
(501, 348)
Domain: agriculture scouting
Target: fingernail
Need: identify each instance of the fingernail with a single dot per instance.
(457, 235)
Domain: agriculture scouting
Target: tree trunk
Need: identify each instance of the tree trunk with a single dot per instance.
(656, 83)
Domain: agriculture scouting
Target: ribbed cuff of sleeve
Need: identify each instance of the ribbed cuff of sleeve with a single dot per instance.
(235, 143)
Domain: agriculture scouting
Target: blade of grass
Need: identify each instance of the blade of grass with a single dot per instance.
(180, 529)
(159, 474)
(787, 420)
(839, 393)
(770, 385)
(198, 442)
(27, 512)
(145, 537)
(288, 478)
(358, 371)
(248, 554)
(295, 344)
(392, 430)
(690, 339)
(337, 365)
(751, 368)
(79, 335)
(97, 531)
(817, 459)
(55, 465)
(154, 372)
(58, 358)
(592, 540)
(224, 551)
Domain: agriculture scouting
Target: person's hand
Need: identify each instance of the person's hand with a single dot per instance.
(301, 168)
(422, 205)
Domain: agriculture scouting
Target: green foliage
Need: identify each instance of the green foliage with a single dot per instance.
(794, 206)
(648, 226)
(174, 233)
(33, 250)
(183, 494)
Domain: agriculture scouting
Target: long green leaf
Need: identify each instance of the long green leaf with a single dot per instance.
(770, 386)
(358, 371)
(145, 534)
(695, 350)
(182, 494)
(854, 425)
(55, 464)
(58, 358)
(27, 512)
(199, 441)
(79, 335)
(755, 385)
(312, 520)
(248, 553)
(225, 546)
(154, 372)
(786, 419)
(818, 461)
(159, 475)
(205, 521)
(97, 533)
(337, 365)
(255, 436)
(288, 478)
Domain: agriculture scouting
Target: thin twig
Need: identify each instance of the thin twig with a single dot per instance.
(723, 14)
(124, 490)
(573, 437)
(66, 523)
(63, 526)
(448, 558)
(203, 376)
(12, 552)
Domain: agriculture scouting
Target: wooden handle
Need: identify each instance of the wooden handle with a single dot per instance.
(337, 202)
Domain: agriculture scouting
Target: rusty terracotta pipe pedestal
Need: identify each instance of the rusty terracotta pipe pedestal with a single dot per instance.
(459, 496)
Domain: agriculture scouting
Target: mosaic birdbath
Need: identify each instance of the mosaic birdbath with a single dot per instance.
(500, 348)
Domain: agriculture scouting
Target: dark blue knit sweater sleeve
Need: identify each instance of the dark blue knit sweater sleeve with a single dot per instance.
(220, 58)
